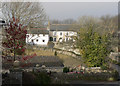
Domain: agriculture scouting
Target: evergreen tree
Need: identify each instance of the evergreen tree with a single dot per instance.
(93, 47)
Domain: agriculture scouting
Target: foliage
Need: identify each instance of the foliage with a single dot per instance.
(55, 53)
(104, 67)
(114, 62)
(118, 63)
(99, 76)
(72, 70)
(65, 69)
(116, 74)
(30, 14)
(15, 35)
(93, 47)
(42, 78)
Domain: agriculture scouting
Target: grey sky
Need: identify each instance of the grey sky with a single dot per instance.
(64, 10)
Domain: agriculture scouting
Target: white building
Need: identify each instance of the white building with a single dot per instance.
(38, 37)
(56, 33)
(62, 33)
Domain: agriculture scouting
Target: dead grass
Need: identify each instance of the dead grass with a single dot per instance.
(39, 52)
(67, 60)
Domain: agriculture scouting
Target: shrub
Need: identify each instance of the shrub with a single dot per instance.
(19, 52)
(103, 67)
(118, 63)
(65, 69)
(55, 53)
(72, 70)
(114, 62)
(112, 51)
(42, 78)
(115, 74)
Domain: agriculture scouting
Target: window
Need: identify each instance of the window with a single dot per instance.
(67, 33)
(54, 33)
(2, 21)
(51, 39)
(36, 40)
(61, 33)
(43, 40)
(66, 39)
(32, 40)
(54, 39)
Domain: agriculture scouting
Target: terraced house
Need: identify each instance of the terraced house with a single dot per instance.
(37, 36)
(62, 33)
(54, 32)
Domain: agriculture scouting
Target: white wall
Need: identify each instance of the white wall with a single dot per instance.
(65, 35)
(42, 39)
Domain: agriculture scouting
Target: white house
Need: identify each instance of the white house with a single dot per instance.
(38, 36)
(56, 32)
(60, 36)
(62, 32)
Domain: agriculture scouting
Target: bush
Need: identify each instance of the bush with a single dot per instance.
(42, 78)
(112, 51)
(115, 75)
(103, 67)
(55, 53)
(118, 63)
(72, 70)
(114, 61)
(65, 69)
(19, 52)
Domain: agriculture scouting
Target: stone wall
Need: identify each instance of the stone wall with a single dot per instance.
(52, 69)
(69, 53)
(115, 56)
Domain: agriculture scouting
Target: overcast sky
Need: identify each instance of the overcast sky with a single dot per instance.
(64, 10)
(73, 10)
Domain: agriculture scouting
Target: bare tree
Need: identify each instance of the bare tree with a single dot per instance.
(109, 23)
(85, 22)
(29, 14)
(68, 21)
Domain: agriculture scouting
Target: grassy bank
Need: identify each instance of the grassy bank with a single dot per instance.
(67, 60)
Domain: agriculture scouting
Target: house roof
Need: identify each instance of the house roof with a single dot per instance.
(38, 31)
(61, 27)
(48, 61)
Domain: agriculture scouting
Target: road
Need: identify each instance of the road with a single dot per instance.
(89, 83)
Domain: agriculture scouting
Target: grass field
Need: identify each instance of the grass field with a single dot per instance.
(67, 60)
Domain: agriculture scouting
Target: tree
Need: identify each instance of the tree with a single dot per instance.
(93, 47)
(85, 22)
(109, 23)
(14, 38)
(19, 16)
(30, 14)
(68, 21)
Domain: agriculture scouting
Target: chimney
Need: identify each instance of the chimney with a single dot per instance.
(48, 27)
